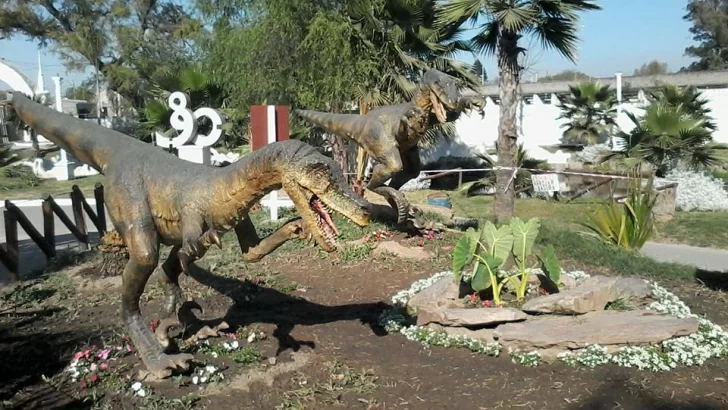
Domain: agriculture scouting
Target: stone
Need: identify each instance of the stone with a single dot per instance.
(603, 328)
(482, 335)
(592, 294)
(632, 288)
(442, 294)
(399, 250)
(447, 214)
(474, 317)
(665, 204)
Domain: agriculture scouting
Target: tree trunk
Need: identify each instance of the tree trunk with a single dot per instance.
(509, 71)
(340, 152)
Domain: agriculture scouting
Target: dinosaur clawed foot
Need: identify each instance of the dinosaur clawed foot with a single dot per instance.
(164, 365)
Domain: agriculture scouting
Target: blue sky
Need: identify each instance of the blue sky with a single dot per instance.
(622, 36)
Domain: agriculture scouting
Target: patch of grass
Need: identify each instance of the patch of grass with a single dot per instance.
(12, 187)
(707, 229)
(593, 252)
(247, 355)
(341, 379)
(350, 254)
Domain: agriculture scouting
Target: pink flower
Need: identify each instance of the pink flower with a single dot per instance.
(94, 378)
(93, 367)
(129, 348)
(83, 383)
(104, 366)
(104, 354)
(82, 354)
(487, 303)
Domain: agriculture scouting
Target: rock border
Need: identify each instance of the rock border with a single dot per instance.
(710, 341)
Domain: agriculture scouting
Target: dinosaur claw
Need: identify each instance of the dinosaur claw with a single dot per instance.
(215, 239)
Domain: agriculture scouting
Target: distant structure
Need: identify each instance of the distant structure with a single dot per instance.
(540, 130)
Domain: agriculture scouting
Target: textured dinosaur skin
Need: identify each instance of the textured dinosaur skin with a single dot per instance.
(155, 198)
(390, 134)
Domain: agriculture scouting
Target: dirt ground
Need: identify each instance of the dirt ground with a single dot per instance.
(322, 350)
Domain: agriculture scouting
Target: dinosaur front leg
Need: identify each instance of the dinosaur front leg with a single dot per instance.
(254, 248)
(143, 256)
(471, 103)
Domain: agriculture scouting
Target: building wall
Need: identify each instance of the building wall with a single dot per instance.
(540, 127)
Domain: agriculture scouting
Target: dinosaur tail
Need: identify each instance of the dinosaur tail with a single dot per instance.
(89, 142)
(343, 125)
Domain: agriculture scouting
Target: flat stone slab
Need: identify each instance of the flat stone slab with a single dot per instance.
(441, 294)
(470, 317)
(589, 295)
(402, 251)
(604, 328)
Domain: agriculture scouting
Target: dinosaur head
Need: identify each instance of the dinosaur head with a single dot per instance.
(443, 91)
(317, 187)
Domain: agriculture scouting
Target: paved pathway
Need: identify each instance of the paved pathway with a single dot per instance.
(710, 259)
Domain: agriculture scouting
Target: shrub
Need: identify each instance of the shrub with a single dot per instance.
(697, 191)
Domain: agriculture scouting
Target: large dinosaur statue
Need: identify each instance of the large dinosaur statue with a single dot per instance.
(156, 198)
(390, 134)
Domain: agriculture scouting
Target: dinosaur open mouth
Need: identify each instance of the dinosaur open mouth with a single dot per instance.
(323, 219)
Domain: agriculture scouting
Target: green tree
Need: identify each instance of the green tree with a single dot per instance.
(664, 137)
(709, 19)
(129, 43)
(80, 92)
(654, 67)
(505, 22)
(566, 75)
(590, 110)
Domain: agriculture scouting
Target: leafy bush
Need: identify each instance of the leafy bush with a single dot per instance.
(488, 250)
(25, 174)
(697, 191)
(630, 224)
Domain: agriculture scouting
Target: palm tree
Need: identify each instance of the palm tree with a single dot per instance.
(591, 111)
(554, 23)
(665, 136)
(689, 97)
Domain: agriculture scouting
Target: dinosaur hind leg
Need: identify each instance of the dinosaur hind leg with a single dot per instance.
(143, 257)
(389, 164)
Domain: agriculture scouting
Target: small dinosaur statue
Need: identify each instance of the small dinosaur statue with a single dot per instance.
(156, 198)
(390, 134)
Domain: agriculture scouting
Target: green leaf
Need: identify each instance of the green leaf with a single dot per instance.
(499, 241)
(550, 264)
(481, 279)
(524, 237)
(461, 255)
(491, 262)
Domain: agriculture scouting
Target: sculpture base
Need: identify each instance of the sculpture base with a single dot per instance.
(194, 153)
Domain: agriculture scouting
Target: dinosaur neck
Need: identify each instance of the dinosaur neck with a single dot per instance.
(240, 185)
(421, 98)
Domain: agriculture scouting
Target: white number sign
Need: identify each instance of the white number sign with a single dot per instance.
(185, 121)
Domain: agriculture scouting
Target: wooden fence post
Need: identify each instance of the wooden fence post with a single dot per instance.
(10, 257)
(77, 205)
(49, 223)
(100, 210)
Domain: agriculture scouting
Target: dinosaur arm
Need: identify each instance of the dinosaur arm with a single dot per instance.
(254, 248)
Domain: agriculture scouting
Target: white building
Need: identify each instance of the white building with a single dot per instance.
(538, 112)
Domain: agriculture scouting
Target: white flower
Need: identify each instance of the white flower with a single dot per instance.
(214, 354)
(195, 379)
(141, 393)
(136, 386)
(203, 379)
(251, 337)
(210, 369)
(235, 344)
(697, 191)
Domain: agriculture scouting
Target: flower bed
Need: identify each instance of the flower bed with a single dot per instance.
(710, 341)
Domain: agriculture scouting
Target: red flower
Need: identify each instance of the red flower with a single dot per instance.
(487, 303)
(154, 325)
(83, 383)
(94, 378)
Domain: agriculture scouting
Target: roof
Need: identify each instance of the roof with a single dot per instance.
(699, 79)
